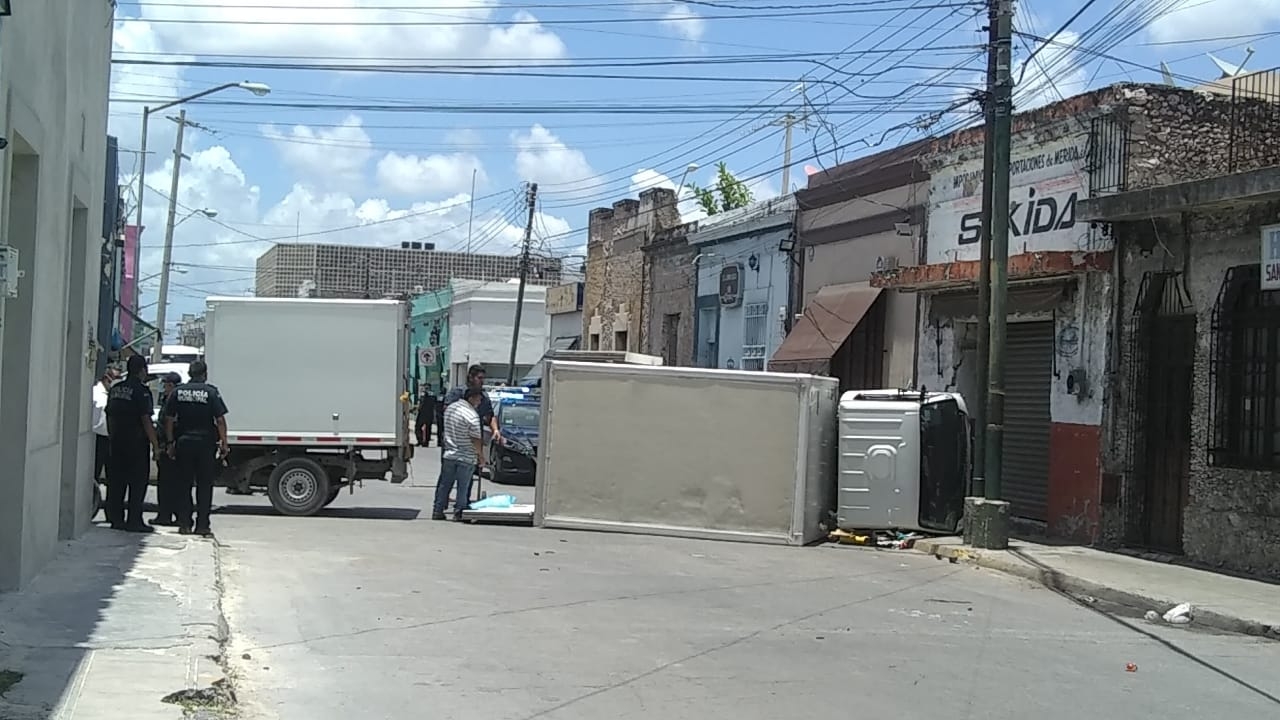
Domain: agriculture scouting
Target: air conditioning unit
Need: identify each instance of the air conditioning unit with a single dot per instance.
(419, 289)
(885, 263)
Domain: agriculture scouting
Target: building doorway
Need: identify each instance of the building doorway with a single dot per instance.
(1161, 385)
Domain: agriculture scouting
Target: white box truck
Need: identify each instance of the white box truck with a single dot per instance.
(316, 392)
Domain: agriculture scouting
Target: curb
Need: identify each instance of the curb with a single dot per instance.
(1011, 562)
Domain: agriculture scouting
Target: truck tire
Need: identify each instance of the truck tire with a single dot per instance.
(298, 486)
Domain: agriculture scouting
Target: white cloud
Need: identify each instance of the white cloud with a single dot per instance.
(1214, 19)
(330, 157)
(543, 158)
(684, 22)
(353, 28)
(430, 174)
(646, 178)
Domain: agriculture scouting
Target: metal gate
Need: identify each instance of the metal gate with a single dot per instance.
(1160, 360)
(1028, 383)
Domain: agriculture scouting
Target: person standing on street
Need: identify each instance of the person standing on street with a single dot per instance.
(488, 422)
(195, 426)
(168, 486)
(133, 434)
(461, 438)
(102, 446)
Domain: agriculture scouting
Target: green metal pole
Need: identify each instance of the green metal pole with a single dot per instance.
(984, 265)
(1002, 130)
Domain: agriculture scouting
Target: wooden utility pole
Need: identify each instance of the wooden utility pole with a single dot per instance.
(532, 200)
(166, 262)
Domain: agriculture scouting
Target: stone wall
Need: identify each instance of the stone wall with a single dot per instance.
(613, 296)
(1178, 135)
(671, 286)
(1232, 516)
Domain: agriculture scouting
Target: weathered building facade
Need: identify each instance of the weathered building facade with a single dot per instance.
(667, 302)
(614, 313)
(1192, 461)
(853, 220)
(742, 284)
(1062, 299)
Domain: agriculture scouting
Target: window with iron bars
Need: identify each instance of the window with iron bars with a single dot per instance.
(755, 334)
(1244, 372)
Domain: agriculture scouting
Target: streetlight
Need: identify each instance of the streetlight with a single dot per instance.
(258, 89)
(691, 167)
(211, 214)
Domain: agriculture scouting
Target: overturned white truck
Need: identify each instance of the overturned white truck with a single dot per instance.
(316, 391)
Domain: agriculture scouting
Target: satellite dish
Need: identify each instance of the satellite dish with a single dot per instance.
(811, 170)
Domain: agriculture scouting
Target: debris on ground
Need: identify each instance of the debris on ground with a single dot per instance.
(217, 695)
(1131, 667)
(889, 539)
(1181, 614)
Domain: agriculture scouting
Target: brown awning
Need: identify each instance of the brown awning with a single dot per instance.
(827, 321)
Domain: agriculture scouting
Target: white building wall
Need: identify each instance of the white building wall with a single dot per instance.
(481, 319)
(54, 76)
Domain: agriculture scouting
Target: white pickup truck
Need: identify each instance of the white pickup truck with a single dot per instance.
(316, 392)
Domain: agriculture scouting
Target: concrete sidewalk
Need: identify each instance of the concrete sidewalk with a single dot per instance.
(1222, 602)
(114, 625)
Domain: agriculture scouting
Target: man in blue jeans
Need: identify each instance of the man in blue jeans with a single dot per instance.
(462, 441)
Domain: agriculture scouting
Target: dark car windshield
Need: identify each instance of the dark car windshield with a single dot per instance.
(520, 416)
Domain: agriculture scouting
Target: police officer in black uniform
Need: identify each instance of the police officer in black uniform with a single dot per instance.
(132, 435)
(168, 483)
(196, 426)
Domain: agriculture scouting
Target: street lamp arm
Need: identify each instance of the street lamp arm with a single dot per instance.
(255, 88)
(189, 98)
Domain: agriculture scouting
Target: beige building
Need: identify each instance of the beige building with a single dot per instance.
(853, 220)
(54, 74)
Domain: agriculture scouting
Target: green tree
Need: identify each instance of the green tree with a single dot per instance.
(729, 193)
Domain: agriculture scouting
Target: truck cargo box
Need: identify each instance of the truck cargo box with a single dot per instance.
(689, 452)
(309, 371)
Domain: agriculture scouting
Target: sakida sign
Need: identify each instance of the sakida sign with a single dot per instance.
(1271, 257)
(1046, 183)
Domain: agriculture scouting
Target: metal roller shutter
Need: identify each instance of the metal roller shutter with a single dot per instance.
(1028, 383)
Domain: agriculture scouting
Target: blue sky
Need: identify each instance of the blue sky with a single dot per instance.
(716, 78)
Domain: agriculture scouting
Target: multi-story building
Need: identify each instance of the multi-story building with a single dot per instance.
(191, 330)
(353, 271)
(54, 76)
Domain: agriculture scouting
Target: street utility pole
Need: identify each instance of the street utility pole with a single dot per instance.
(991, 529)
(532, 200)
(984, 261)
(166, 261)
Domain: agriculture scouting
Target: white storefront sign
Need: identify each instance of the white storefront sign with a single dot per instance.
(1046, 182)
(1271, 257)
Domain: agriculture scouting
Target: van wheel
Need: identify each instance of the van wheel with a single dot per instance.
(298, 487)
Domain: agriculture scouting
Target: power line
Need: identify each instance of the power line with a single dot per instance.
(761, 108)
(496, 109)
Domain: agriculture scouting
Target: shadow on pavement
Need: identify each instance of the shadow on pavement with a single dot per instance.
(342, 513)
(49, 629)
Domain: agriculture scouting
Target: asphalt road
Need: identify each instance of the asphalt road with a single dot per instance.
(375, 611)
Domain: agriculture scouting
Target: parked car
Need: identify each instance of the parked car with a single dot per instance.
(515, 461)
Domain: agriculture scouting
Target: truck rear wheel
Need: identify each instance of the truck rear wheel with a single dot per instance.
(298, 486)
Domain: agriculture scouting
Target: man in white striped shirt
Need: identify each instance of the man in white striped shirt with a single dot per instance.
(463, 445)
